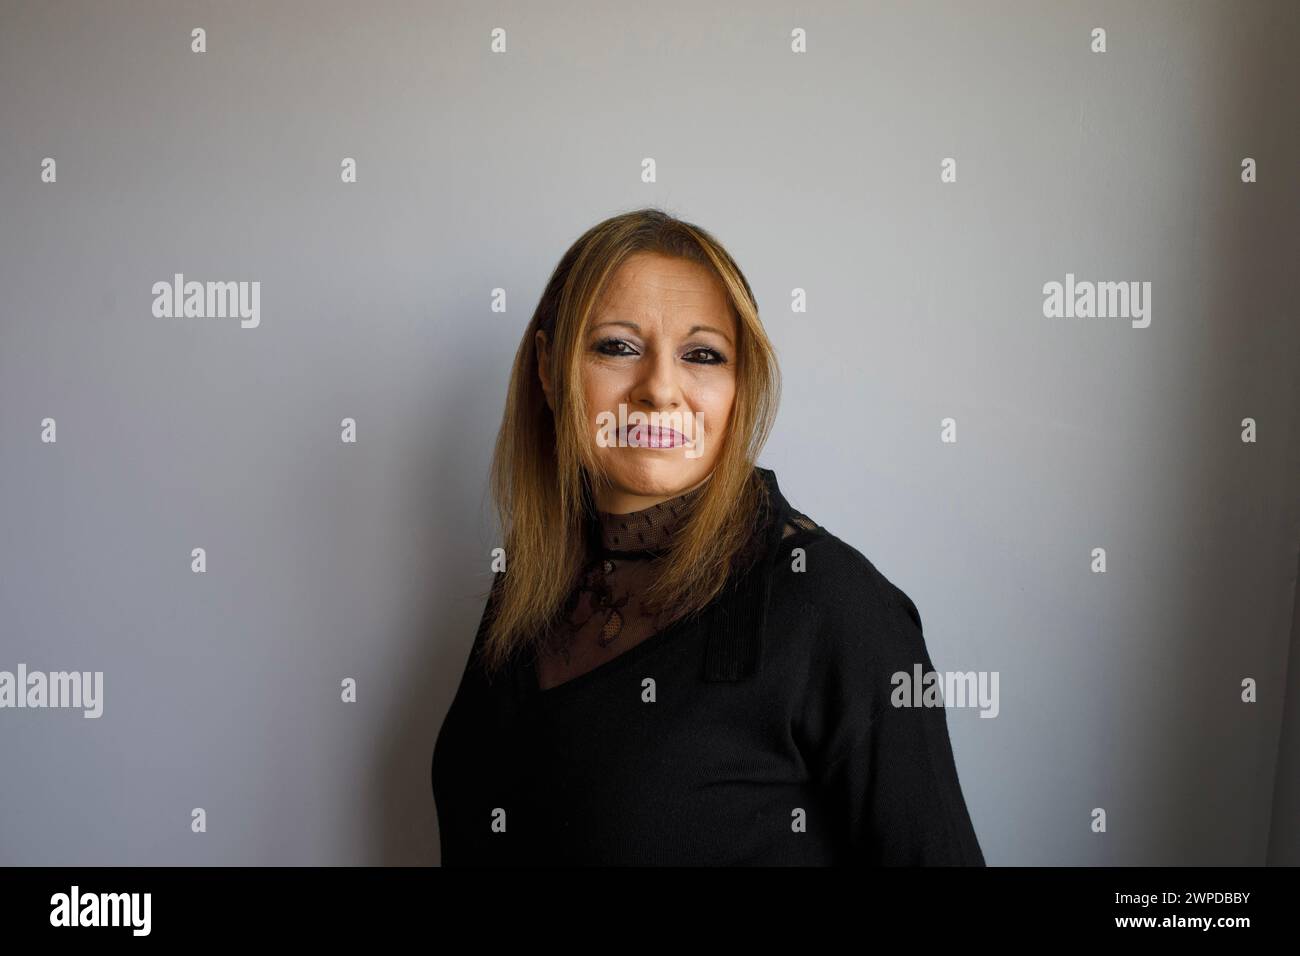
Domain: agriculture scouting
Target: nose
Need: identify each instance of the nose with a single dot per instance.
(657, 387)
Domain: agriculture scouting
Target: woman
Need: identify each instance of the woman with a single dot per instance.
(675, 666)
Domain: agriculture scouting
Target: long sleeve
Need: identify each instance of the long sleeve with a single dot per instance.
(899, 791)
(888, 771)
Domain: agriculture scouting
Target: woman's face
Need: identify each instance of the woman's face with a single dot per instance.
(662, 342)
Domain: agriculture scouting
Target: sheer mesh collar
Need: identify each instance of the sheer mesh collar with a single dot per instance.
(648, 529)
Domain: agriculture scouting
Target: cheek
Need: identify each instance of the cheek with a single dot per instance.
(602, 387)
(715, 400)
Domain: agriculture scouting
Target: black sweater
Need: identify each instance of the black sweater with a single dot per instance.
(758, 732)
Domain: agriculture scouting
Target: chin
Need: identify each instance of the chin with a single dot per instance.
(652, 473)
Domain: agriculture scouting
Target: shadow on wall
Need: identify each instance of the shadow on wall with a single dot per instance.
(402, 817)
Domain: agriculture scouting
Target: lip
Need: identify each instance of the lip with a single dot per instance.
(645, 436)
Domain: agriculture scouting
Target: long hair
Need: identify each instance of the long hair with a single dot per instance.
(545, 464)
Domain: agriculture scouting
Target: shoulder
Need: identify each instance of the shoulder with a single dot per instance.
(856, 628)
(847, 609)
(814, 565)
(843, 634)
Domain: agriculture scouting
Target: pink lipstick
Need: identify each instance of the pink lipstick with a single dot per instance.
(647, 436)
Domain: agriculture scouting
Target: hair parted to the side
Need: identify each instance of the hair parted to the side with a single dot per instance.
(545, 469)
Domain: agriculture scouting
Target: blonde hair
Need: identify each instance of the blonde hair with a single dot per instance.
(545, 463)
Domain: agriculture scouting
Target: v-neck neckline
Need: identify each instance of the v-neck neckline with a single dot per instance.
(529, 680)
(527, 686)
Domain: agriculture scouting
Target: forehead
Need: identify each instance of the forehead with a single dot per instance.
(665, 287)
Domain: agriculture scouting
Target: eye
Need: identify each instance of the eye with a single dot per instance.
(710, 356)
(611, 347)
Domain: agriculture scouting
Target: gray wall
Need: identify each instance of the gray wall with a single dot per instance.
(820, 171)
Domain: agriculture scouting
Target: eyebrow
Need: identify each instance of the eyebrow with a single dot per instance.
(693, 329)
